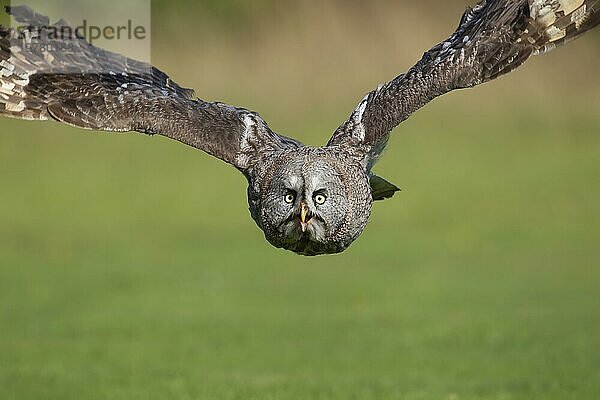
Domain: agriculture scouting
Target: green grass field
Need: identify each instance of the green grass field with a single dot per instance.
(131, 269)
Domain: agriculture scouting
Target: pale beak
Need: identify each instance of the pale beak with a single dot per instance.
(303, 216)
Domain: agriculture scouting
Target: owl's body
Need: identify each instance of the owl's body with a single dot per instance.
(308, 200)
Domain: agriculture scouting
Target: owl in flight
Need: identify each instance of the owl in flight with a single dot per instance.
(308, 200)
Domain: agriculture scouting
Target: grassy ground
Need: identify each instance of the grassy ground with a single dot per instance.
(130, 268)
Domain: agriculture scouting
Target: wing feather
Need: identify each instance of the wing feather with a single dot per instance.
(493, 38)
(91, 88)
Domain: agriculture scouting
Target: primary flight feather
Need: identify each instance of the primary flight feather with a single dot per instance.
(308, 200)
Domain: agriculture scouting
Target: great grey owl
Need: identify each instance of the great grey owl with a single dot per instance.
(308, 200)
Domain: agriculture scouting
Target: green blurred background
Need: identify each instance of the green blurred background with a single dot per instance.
(130, 268)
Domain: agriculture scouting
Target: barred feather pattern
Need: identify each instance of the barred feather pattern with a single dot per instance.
(563, 20)
(493, 38)
(92, 88)
(21, 60)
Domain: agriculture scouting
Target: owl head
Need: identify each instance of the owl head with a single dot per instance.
(311, 202)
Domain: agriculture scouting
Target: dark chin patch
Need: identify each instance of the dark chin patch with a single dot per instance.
(307, 247)
(293, 239)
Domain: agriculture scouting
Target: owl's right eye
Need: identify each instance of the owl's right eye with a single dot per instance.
(290, 198)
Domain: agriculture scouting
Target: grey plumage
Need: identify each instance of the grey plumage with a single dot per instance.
(493, 38)
(308, 200)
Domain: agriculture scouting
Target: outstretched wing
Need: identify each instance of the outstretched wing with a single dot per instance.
(66, 79)
(492, 39)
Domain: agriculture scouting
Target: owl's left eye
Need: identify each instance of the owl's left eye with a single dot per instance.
(320, 199)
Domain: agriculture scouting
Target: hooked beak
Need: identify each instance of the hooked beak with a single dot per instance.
(304, 216)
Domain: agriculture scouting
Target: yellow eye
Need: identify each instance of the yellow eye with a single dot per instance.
(289, 198)
(320, 199)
